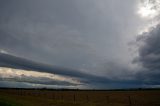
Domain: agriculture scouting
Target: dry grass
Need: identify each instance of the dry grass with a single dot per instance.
(81, 98)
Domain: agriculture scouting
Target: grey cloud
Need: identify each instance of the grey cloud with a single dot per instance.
(87, 80)
(88, 37)
(149, 52)
(38, 80)
(63, 29)
(149, 56)
(10, 61)
(13, 84)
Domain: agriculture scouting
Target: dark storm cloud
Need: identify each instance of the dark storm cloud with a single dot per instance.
(87, 80)
(88, 37)
(149, 52)
(149, 56)
(10, 61)
(29, 30)
(81, 32)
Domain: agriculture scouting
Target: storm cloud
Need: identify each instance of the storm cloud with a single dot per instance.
(21, 70)
(149, 52)
(149, 55)
(86, 40)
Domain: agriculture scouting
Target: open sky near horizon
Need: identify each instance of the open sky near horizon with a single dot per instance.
(91, 44)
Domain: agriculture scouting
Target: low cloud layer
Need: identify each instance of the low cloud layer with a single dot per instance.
(17, 75)
(21, 70)
(16, 69)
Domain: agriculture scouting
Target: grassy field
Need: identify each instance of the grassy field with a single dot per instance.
(22, 97)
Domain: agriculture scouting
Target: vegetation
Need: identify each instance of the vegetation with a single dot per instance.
(25, 97)
(4, 101)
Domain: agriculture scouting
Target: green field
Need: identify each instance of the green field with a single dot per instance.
(19, 97)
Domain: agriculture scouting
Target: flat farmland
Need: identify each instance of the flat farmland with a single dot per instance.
(31, 97)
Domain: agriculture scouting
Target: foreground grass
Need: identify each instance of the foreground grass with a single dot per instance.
(85, 98)
(14, 100)
(4, 101)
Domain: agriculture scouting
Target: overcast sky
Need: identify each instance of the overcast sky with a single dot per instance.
(94, 43)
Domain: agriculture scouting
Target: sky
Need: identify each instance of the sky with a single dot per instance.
(84, 44)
